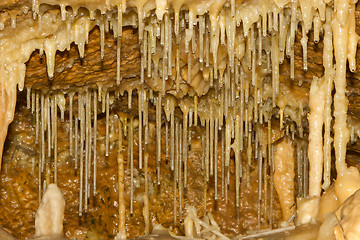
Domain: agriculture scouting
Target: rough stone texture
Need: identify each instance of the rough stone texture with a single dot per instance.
(72, 71)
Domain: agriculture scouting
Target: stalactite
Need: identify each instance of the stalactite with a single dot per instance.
(88, 141)
(176, 169)
(50, 140)
(140, 110)
(216, 129)
(249, 155)
(158, 137)
(131, 149)
(172, 141)
(81, 159)
(42, 132)
(146, 212)
(107, 125)
(185, 146)
(166, 141)
(207, 139)
(28, 97)
(95, 141)
(223, 163)
(55, 130)
(71, 97)
(180, 183)
(261, 175)
(76, 140)
(299, 161)
(270, 163)
(211, 145)
(118, 44)
(37, 121)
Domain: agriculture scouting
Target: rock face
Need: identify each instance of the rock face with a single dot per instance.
(348, 218)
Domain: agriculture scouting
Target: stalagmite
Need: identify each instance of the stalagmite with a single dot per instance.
(188, 225)
(284, 175)
(307, 210)
(50, 214)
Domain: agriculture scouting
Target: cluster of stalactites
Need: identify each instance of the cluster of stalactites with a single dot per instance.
(220, 68)
(252, 144)
(82, 130)
(190, 52)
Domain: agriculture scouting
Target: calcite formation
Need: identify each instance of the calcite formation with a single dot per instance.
(175, 112)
